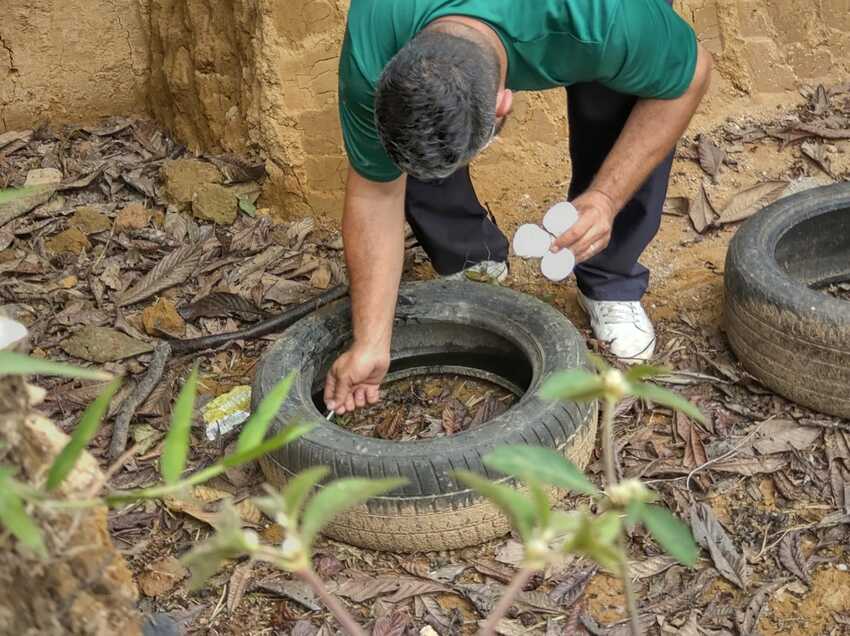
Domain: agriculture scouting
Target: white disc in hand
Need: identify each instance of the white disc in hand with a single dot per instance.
(531, 241)
(556, 267)
(560, 218)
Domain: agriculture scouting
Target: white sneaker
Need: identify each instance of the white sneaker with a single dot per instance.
(623, 325)
(484, 272)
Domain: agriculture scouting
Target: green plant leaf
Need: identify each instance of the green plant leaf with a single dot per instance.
(595, 537)
(519, 509)
(337, 497)
(670, 533)
(543, 464)
(667, 398)
(247, 206)
(606, 528)
(298, 488)
(541, 501)
(84, 432)
(175, 449)
(12, 194)
(284, 437)
(577, 385)
(565, 522)
(641, 372)
(598, 362)
(255, 429)
(14, 517)
(12, 363)
(228, 542)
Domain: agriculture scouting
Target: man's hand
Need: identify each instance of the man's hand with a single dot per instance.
(355, 379)
(592, 232)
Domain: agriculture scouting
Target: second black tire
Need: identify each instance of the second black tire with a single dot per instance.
(481, 330)
(789, 335)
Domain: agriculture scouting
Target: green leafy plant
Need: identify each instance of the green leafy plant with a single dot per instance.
(549, 534)
(303, 507)
(302, 516)
(16, 496)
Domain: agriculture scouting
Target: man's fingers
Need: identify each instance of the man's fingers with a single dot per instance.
(349, 403)
(342, 395)
(574, 235)
(373, 394)
(360, 397)
(588, 248)
(330, 390)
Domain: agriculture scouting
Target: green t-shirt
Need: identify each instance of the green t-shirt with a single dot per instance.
(636, 47)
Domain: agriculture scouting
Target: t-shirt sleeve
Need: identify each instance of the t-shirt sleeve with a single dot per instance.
(650, 52)
(357, 116)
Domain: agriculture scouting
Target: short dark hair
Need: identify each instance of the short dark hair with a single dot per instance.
(435, 106)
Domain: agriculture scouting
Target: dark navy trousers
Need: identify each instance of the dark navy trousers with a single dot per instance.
(456, 231)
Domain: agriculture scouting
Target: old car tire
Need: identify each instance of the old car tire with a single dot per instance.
(478, 329)
(793, 338)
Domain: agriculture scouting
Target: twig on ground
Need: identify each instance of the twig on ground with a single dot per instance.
(346, 620)
(264, 328)
(499, 612)
(121, 428)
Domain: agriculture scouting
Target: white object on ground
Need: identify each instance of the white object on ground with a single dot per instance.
(556, 267)
(560, 218)
(11, 332)
(624, 325)
(226, 412)
(532, 241)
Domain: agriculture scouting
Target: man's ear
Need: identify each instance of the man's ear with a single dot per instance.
(504, 103)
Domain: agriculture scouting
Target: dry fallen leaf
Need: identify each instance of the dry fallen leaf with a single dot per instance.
(297, 591)
(701, 213)
(817, 153)
(748, 620)
(238, 585)
(321, 278)
(792, 558)
(780, 436)
(710, 156)
(712, 536)
(205, 503)
(746, 203)
(221, 305)
(161, 576)
(393, 624)
(172, 270)
(162, 319)
(103, 344)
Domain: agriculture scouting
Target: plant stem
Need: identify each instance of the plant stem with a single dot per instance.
(609, 456)
(346, 620)
(608, 452)
(629, 590)
(516, 586)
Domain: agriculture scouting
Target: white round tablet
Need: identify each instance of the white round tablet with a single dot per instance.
(531, 241)
(560, 218)
(556, 267)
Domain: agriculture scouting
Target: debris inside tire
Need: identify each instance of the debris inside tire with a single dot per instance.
(429, 406)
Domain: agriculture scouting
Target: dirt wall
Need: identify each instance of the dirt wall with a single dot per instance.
(71, 60)
(236, 75)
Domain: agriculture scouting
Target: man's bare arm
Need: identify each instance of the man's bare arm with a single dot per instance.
(651, 131)
(373, 232)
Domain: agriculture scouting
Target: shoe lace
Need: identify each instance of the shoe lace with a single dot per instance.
(614, 313)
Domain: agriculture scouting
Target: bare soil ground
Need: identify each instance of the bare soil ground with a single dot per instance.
(767, 475)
